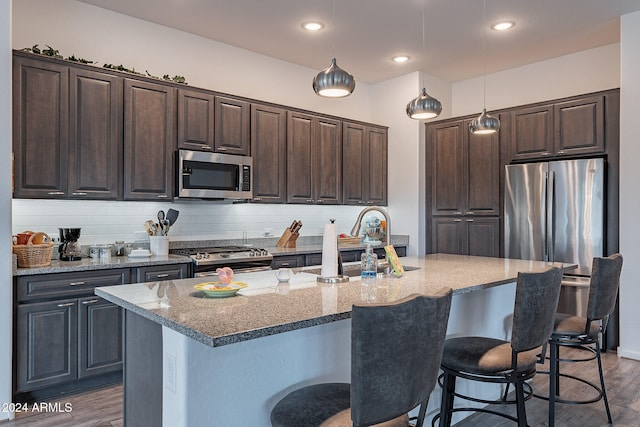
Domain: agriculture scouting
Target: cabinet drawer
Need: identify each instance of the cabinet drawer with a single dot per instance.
(313, 259)
(289, 261)
(162, 272)
(64, 285)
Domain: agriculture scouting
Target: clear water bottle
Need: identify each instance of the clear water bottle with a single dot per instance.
(368, 266)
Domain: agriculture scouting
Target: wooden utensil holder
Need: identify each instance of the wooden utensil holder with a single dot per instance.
(288, 239)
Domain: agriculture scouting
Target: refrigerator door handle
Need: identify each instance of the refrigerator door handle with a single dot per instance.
(550, 228)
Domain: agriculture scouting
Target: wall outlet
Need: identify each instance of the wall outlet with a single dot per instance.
(170, 372)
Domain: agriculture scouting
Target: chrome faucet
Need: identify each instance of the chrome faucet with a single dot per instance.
(355, 231)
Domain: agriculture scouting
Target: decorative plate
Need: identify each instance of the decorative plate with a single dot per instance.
(219, 289)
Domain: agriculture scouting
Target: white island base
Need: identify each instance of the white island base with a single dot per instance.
(239, 384)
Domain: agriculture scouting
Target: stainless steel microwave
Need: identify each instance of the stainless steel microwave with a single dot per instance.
(204, 175)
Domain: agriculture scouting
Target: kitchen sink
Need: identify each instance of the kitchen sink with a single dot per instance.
(354, 271)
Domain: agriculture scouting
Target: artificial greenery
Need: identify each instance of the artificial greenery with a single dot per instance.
(49, 51)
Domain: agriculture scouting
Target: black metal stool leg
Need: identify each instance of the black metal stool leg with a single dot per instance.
(604, 391)
(553, 381)
(522, 413)
(448, 394)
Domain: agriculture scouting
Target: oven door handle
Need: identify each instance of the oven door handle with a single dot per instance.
(240, 270)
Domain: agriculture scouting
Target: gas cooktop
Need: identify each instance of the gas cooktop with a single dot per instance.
(224, 254)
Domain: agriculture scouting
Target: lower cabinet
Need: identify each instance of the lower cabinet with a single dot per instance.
(100, 329)
(347, 255)
(478, 236)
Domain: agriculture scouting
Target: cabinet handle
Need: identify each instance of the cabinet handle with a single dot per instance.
(469, 220)
(161, 276)
(79, 193)
(309, 200)
(206, 147)
(56, 193)
(91, 301)
(562, 152)
(162, 196)
(77, 283)
(319, 201)
(457, 213)
(457, 220)
(285, 264)
(469, 213)
(222, 149)
(257, 198)
(69, 304)
(546, 153)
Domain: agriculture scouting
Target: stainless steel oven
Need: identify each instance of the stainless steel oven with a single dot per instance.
(204, 175)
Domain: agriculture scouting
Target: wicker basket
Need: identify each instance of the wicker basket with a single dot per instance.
(32, 255)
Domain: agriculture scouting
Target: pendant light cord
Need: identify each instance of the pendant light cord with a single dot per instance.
(424, 49)
(484, 54)
(333, 29)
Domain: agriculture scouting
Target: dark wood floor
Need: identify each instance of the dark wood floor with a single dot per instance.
(103, 408)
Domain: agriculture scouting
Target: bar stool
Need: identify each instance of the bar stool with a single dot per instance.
(504, 362)
(395, 354)
(585, 333)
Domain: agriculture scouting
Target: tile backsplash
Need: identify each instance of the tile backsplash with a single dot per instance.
(106, 221)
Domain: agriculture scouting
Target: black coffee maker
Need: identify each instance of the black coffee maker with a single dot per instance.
(69, 248)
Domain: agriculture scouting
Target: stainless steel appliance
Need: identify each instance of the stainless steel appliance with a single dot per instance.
(239, 258)
(205, 175)
(554, 211)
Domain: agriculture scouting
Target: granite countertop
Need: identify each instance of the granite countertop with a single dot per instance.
(89, 264)
(267, 307)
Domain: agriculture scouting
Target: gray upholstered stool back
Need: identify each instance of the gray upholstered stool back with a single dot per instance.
(536, 303)
(396, 351)
(605, 280)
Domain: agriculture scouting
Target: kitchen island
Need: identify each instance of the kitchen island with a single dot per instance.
(196, 361)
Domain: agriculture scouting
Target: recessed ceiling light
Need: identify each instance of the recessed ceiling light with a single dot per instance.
(400, 59)
(502, 26)
(312, 25)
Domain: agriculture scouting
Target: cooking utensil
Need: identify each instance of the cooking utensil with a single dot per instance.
(172, 216)
(148, 225)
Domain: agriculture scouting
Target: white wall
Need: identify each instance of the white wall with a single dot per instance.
(582, 72)
(5, 204)
(629, 179)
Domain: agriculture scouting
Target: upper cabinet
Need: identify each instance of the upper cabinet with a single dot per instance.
(195, 120)
(564, 129)
(40, 128)
(149, 140)
(364, 154)
(269, 153)
(463, 170)
(314, 159)
(232, 127)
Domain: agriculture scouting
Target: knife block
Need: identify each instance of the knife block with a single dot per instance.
(288, 239)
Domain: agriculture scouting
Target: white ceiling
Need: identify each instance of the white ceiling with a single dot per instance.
(366, 33)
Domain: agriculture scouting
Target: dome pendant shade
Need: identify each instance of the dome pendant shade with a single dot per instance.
(424, 107)
(334, 82)
(484, 124)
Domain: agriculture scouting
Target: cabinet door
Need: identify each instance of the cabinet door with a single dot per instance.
(47, 349)
(353, 147)
(447, 235)
(483, 236)
(40, 128)
(446, 164)
(269, 153)
(481, 172)
(532, 132)
(149, 140)
(99, 337)
(300, 165)
(195, 120)
(375, 170)
(95, 152)
(327, 162)
(232, 126)
(579, 126)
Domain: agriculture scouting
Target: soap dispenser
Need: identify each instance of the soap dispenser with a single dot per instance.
(368, 266)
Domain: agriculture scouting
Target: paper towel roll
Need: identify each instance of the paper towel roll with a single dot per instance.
(329, 251)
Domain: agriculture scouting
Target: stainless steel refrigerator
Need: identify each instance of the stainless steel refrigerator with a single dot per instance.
(554, 211)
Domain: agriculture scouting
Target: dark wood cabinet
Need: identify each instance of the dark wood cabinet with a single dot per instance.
(95, 137)
(478, 236)
(232, 126)
(364, 153)
(149, 140)
(40, 128)
(47, 346)
(159, 273)
(269, 153)
(314, 159)
(100, 337)
(464, 170)
(196, 120)
(564, 129)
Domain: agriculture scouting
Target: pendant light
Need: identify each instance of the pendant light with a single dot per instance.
(485, 123)
(424, 106)
(334, 82)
